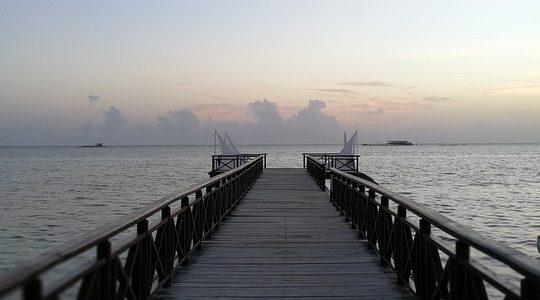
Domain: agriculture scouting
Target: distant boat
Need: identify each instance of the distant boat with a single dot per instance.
(399, 143)
(230, 157)
(227, 146)
(96, 145)
(346, 161)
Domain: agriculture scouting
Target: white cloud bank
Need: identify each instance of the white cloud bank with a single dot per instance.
(183, 127)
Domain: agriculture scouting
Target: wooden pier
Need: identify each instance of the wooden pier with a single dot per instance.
(284, 240)
(253, 232)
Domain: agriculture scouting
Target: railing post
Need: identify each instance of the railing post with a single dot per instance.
(209, 204)
(347, 199)
(426, 267)
(216, 199)
(332, 187)
(361, 212)
(529, 290)
(385, 223)
(465, 284)
(33, 289)
(402, 241)
(166, 251)
(200, 218)
(323, 177)
(458, 283)
(353, 204)
(338, 195)
(186, 232)
(140, 281)
(107, 282)
(371, 220)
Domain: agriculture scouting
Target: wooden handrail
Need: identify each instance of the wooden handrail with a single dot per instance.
(317, 170)
(334, 160)
(225, 162)
(366, 206)
(222, 191)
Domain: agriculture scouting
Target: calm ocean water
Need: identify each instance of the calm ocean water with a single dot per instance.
(51, 194)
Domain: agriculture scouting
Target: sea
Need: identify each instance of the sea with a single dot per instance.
(49, 195)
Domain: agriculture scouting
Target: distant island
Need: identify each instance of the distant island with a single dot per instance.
(391, 143)
(96, 145)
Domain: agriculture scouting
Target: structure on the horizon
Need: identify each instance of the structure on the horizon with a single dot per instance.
(230, 157)
(399, 143)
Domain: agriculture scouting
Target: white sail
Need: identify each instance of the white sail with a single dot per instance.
(225, 149)
(348, 147)
(231, 145)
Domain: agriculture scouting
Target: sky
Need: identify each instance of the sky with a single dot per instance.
(171, 72)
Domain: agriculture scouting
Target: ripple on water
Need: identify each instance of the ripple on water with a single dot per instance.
(94, 205)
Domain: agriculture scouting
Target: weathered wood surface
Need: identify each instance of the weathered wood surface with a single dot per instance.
(284, 240)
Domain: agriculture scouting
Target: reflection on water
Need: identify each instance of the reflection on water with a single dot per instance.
(51, 194)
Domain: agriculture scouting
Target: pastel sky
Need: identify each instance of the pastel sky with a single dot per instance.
(169, 72)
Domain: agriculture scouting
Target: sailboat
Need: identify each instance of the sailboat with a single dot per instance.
(230, 157)
(345, 160)
(231, 145)
(225, 144)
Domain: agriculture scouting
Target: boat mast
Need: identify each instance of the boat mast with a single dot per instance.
(215, 137)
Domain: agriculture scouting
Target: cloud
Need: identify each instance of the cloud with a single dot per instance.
(337, 91)
(434, 99)
(378, 111)
(312, 120)
(516, 89)
(114, 120)
(266, 112)
(266, 87)
(315, 106)
(400, 106)
(220, 111)
(310, 124)
(180, 120)
(368, 83)
(92, 99)
(312, 114)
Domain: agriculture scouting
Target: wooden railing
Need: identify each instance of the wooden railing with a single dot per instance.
(146, 252)
(342, 162)
(225, 162)
(317, 170)
(400, 230)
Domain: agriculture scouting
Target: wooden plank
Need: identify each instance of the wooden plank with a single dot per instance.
(284, 240)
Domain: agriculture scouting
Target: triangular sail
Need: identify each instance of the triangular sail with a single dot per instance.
(348, 147)
(225, 149)
(231, 145)
(345, 160)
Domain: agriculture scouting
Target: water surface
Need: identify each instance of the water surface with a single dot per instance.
(51, 194)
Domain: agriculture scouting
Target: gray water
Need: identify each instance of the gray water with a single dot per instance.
(51, 194)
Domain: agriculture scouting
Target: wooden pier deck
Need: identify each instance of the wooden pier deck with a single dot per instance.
(284, 240)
